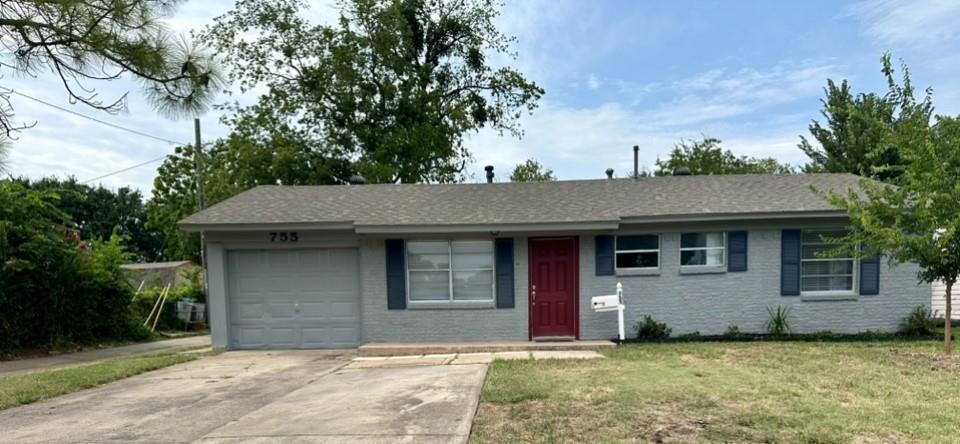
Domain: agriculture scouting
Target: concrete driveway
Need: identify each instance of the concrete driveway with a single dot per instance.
(241, 397)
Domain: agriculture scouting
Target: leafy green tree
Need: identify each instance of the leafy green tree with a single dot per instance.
(87, 41)
(918, 220)
(857, 136)
(531, 171)
(97, 212)
(707, 157)
(392, 87)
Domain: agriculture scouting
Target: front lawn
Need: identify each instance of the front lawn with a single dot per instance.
(728, 392)
(25, 388)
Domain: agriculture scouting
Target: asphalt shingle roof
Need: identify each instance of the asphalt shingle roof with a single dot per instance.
(575, 201)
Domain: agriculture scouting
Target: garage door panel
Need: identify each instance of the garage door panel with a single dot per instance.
(296, 298)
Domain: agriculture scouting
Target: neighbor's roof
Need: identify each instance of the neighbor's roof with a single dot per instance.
(154, 265)
(602, 202)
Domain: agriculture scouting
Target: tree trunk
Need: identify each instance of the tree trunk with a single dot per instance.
(948, 319)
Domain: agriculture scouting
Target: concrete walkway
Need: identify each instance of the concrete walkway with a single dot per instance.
(69, 359)
(466, 358)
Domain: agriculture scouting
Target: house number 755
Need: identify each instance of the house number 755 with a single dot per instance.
(284, 236)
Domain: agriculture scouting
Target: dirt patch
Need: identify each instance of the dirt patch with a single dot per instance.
(868, 439)
(935, 362)
(671, 423)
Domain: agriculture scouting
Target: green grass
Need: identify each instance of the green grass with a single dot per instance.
(728, 392)
(25, 388)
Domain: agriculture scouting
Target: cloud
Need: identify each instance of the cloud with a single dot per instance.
(718, 94)
(915, 23)
(593, 82)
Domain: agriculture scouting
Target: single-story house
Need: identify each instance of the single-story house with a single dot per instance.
(339, 266)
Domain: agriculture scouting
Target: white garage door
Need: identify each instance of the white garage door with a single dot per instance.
(293, 298)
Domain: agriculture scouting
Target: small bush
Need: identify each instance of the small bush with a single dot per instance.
(651, 329)
(779, 322)
(690, 337)
(919, 322)
(733, 333)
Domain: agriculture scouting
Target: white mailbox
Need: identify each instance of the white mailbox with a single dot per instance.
(605, 303)
(611, 302)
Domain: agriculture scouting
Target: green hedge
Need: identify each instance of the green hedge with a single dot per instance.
(55, 288)
(143, 303)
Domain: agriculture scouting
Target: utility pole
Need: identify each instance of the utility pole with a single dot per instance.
(198, 165)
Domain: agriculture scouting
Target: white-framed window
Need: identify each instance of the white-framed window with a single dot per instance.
(702, 249)
(450, 271)
(638, 252)
(824, 275)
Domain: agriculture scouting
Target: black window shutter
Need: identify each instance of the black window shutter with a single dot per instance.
(790, 263)
(870, 276)
(605, 253)
(503, 257)
(737, 251)
(396, 275)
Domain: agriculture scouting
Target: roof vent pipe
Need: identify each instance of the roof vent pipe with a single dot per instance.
(636, 161)
(489, 170)
(357, 179)
(682, 171)
(609, 173)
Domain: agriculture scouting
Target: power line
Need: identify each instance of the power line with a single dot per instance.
(125, 169)
(94, 119)
(112, 125)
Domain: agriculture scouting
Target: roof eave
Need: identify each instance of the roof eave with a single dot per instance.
(824, 214)
(268, 226)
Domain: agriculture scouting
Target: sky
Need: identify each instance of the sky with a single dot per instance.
(617, 73)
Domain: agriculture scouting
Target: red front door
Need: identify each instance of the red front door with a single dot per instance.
(553, 288)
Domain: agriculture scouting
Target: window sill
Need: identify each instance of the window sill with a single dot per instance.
(703, 269)
(829, 297)
(638, 272)
(462, 305)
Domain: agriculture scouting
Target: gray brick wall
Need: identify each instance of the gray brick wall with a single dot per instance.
(709, 303)
(437, 325)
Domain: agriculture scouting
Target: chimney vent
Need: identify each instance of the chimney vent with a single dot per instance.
(489, 170)
(682, 171)
(609, 173)
(636, 161)
(357, 179)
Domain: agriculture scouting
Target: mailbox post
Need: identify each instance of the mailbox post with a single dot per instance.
(611, 302)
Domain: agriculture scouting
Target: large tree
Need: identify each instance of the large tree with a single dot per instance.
(83, 42)
(392, 87)
(706, 156)
(531, 171)
(857, 134)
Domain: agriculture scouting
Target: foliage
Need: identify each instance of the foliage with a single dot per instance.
(707, 157)
(85, 41)
(53, 287)
(733, 333)
(860, 132)
(651, 329)
(97, 211)
(919, 322)
(391, 88)
(918, 220)
(778, 322)
(531, 171)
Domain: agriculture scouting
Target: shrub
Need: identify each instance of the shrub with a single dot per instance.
(919, 322)
(54, 288)
(651, 329)
(691, 337)
(779, 322)
(733, 332)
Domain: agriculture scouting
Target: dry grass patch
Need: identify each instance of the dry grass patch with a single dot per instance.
(896, 392)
